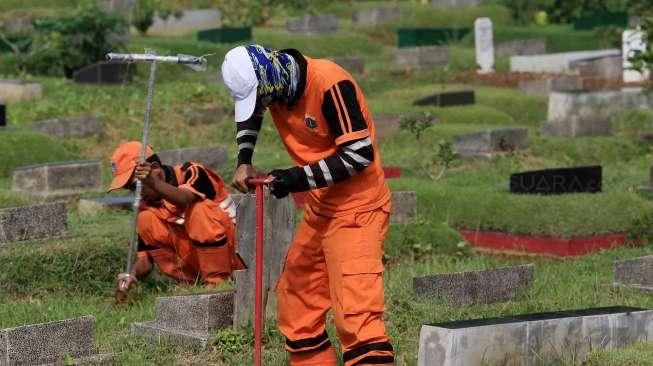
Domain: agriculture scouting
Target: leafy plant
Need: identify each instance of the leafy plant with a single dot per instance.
(142, 15)
(643, 60)
(416, 124)
(523, 11)
(229, 341)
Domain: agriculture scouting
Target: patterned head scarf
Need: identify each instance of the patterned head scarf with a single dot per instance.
(277, 74)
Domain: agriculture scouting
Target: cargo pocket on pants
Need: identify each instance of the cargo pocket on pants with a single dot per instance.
(362, 286)
(214, 261)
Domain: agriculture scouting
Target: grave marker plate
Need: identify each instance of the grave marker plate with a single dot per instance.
(58, 179)
(313, 24)
(558, 181)
(634, 271)
(13, 91)
(484, 45)
(70, 127)
(421, 57)
(484, 144)
(35, 222)
(533, 46)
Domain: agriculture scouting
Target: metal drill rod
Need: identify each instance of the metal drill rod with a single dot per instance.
(148, 57)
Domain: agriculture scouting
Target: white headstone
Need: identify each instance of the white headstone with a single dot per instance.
(484, 45)
(632, 42)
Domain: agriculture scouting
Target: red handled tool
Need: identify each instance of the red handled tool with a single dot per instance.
(258, 305)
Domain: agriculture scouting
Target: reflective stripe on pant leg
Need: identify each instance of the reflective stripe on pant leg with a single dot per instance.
(383, 354)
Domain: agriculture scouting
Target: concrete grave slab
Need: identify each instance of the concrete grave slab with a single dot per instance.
(353, 65)
(105, 73)
(476, 287)
(70, 127)
(532, 339)
(47, 343)
(190, 21)
(33, 222)
(635, 272)
(448, 99)
(206, 116)
(14, 91)
(214, 157)
(455, 3)
(404, 207)
(313, 24)
(155, 333)
(279, 229)
(609, 67)
(533, 46)
(421, 57)
(54, 180)
(376, 16)
(199, 313)
(587, 179)
(105, 204)
(487, 143)
(556, 62)
(543, 87)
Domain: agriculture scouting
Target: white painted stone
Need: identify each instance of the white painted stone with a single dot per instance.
(556, 62)
(632, 42)
(484, 41)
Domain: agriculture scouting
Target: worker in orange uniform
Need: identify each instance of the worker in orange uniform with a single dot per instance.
(185, 224)
(334, 261)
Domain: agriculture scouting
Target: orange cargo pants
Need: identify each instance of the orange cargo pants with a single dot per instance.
(335, 263)
(200, 247)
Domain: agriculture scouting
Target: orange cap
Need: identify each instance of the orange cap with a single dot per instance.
(123, 162)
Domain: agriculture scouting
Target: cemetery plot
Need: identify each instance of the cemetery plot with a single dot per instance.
(33, 222)
(556, 62)
(477, 287)
(313, 24)
(529, 339)
(421, 57)
(376, 16)
(52, 180)
(488, 143)
(13, 91)
(533, 46)
(70, 127)
(609, 67)
(636, 273)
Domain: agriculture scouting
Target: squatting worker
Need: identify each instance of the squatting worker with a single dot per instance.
(334, 261)
(185, 224)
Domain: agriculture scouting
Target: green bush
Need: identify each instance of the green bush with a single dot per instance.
(142, 15)
(65, 44)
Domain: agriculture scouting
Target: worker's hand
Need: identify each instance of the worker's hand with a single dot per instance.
(243, 172)
(281, 182)
(124, 282)
(143, 172)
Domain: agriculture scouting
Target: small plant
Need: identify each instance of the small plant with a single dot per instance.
(416, 124)
(142, 15)
(442, 160)
(229, 341)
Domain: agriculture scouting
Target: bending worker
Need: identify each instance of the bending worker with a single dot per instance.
(334, 261)
(185, 224)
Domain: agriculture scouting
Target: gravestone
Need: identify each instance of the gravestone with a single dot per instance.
(188, 320)
(70, 127)
(578, 114)
(587, 179)
(213, 157)
(533, 46)
(404, 208)
(105, 204)
(313, 24)
(610, 67)
(544, 87)
(559, 63)
(14, 91)
(353, 65)
(533, 339)
(636, 273)
(421, 57)
(52, 180)
(105, 73)
(35, 222)
(455, 3)
(48, 343)
(279, 230)
(484, 45)
(376, 16)
(487, 143)
(206, 116)
(190, 21)
(3, 115)
(448, 99)
(633, 42)
(476, 287)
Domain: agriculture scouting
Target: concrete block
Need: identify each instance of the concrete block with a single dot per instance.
(534, 46)
(404, 207)
(70, 127)
(376, 16)
(532, 339)
(279, 230)
(421, 57)
(214, 157)
(543, 87)
(455, 3)
(105, 73)
(14, 91)
(105, 204)
(476, 287)
(47, 342)
(634, 271)
(205, 313)
(190, 21)
(313, 24)
(155, 333)
(53, 180)
(485, 144)
(353, 65)
(33, 222)
(609, 67)
(556, 62)
(448, 99)
(576, 127)
(206, 116)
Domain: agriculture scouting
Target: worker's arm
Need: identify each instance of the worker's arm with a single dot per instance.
(142, 267)
(246, 136)
(179, 197)
(355, 151)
